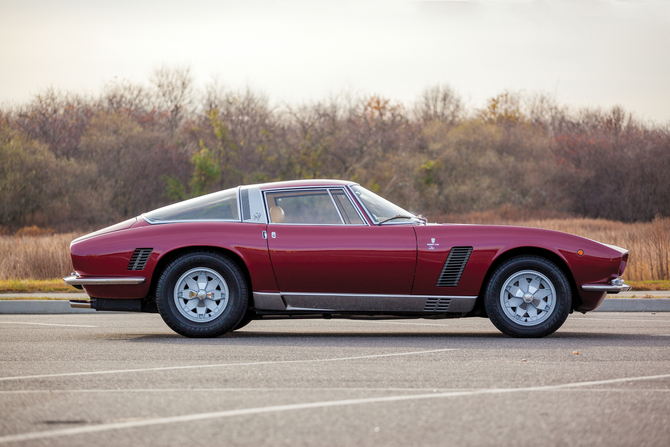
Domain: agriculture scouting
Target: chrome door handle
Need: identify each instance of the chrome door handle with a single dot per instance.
(265, 234)
(274, 235)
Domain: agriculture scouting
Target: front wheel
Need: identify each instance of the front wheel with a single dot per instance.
(528, 296)
(202, 294)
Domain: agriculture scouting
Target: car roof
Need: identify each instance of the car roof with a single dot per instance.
(303, 183)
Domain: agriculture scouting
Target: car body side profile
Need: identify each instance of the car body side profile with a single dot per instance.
(332, 249)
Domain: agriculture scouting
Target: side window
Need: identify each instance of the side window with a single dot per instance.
(302, 207)
(348, 211)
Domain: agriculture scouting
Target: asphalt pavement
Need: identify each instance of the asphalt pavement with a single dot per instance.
(126, 379)
(57, 303)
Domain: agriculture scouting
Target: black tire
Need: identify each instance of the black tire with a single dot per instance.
(519, 321)
(228, 313)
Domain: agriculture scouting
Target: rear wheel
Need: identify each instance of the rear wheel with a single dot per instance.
(202, 294)
(528, 296)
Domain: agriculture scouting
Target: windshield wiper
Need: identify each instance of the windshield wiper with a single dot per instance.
(398, 216)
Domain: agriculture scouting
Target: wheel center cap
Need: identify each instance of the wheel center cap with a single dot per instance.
(527, 297)
(202, 295)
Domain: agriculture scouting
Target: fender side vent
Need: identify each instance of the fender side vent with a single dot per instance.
(454, 266)
(139, 258)
(437, 304)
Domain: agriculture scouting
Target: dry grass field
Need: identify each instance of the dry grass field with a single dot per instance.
(35, 257)
(47, 256)
(647, 242)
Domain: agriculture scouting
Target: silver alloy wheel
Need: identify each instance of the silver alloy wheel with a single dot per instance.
(528, 298)
(201, 294)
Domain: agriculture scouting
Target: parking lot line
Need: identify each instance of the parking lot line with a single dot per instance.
(244, 390)
(304, 406)
(654, 319)
(46, 324)
(221, 365)
(392, 322)
(658, 320)
(207, 390)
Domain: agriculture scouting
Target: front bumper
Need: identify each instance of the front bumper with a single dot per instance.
(617, 285)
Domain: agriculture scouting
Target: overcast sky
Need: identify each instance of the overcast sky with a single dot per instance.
(586, 52)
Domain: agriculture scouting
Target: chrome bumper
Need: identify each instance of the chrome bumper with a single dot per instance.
(76, 280)
(618, 285)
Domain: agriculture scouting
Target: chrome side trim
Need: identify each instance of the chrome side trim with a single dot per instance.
(268, 301)
(349, 302)
(609, 288)
(161, 222)
(102, 281)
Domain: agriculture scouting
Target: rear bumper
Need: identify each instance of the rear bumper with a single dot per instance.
(76, 280)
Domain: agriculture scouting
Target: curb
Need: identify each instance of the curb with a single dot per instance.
(635, 305)
(51, 295)
(63, 306)
(40, 307)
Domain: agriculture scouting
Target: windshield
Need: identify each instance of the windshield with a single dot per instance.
(379, 208)
(220, 205)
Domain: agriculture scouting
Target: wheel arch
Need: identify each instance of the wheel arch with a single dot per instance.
(171, 255)
(519, 251)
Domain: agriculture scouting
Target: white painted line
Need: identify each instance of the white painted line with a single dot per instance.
(46, 324)
(207, 390)
(653, 319)
(619, 390)
(210, 390)
(659, 320)
(220, 365)
(294, 407)
(392, 322)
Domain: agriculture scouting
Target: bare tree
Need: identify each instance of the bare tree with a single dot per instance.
(439, 103)
(174, 93)
(125, 96)
(57, 119)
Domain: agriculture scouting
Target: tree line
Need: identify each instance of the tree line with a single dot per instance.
(74, 162)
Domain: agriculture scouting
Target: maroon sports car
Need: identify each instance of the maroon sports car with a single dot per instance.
(332, 249)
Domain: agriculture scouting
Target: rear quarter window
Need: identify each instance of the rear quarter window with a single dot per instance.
(220, 205)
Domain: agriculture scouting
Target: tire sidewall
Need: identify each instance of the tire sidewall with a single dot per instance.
(237, 295)
(511, 267)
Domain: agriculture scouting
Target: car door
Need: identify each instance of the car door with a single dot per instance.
(325, 255)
